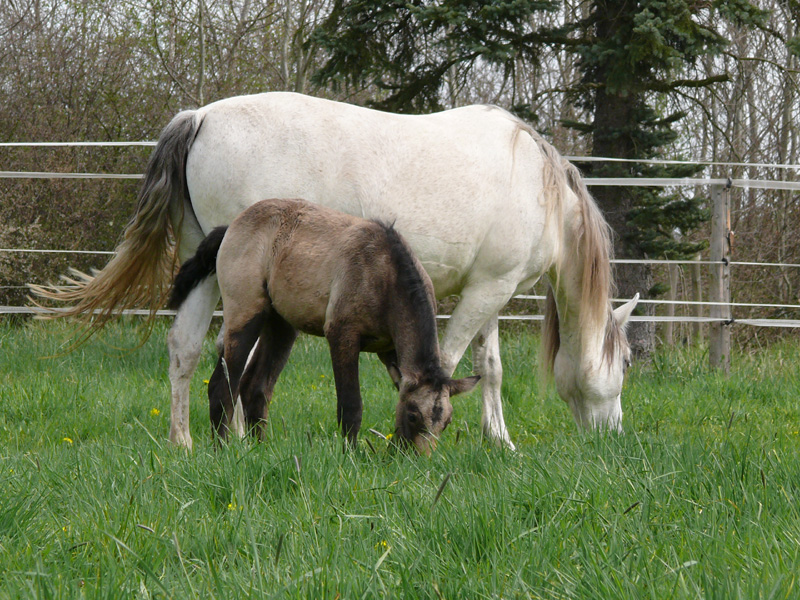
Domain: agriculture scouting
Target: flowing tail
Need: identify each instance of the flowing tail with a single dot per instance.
(197, 268)
(138, 276)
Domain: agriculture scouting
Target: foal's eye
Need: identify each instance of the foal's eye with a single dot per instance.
(413, 416)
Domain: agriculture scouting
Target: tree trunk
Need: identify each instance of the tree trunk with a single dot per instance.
(613, 115)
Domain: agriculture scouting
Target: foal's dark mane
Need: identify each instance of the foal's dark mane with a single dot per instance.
(411, 284)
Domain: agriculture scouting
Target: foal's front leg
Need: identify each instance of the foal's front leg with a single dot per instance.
(345, 347)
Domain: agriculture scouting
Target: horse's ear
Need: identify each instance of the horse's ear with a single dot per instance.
(462, 386)
(623, 313)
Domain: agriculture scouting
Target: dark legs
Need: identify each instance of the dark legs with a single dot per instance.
(224, 382)
(255, 381)
(345, 347)
(260, 376)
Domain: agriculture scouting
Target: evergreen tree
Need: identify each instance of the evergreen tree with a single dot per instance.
(408, 49)
(631, 54)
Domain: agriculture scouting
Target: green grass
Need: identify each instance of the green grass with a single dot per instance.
(699, 499)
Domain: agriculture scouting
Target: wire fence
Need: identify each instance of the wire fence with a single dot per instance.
(647, 182)
(783, 323)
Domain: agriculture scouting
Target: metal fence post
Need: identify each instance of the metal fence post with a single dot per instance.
(720, 288)
(697, 296)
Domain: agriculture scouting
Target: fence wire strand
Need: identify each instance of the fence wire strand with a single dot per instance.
(740, 183)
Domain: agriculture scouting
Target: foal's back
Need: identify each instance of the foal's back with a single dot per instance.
(303, 259)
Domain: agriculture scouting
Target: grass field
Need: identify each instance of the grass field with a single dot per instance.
(699, 499)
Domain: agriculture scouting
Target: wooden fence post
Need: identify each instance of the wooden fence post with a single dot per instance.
(720, 288)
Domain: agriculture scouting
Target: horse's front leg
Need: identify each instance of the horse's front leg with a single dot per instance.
(345, 347)
(486, 363)
(185, 342)
(475, 318)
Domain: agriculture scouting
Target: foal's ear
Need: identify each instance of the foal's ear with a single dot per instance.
(394, 373)
(462, 386)
(397, 375)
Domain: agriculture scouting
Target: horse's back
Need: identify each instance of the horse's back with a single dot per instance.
(461, 185)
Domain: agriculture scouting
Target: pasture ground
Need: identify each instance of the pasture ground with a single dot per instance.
(699, 499)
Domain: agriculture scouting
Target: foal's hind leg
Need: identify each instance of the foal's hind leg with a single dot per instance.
(258, 382)
(224, 383)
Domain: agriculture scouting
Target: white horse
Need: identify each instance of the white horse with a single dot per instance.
(486, 204)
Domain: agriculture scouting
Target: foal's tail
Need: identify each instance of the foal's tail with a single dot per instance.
(138, 275)
(197, 268)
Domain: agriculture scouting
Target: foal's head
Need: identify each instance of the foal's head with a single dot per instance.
(424, 409)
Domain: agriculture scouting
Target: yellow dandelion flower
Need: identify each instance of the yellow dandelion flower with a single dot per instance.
(205, 381)
(155, 412)
(67, 440)
(231, 506)
(389, 436)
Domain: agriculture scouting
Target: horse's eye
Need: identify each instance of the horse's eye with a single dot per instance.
(413, 416)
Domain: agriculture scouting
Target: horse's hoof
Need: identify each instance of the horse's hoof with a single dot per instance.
(181, 440)
(501, 440)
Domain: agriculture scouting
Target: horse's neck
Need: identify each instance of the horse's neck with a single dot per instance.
(577, 333)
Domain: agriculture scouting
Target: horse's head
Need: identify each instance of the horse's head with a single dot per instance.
(424, 409)
(591, 383)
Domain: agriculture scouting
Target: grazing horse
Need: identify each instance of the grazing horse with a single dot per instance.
(486, 204)
(287, 265)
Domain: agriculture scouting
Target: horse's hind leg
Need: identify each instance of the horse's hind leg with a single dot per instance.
(261, 374)
(185, 342)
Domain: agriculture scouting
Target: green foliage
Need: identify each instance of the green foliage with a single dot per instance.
(633, 47)
(699, 498)
(631, 54)
(407, 48)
